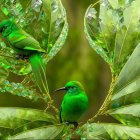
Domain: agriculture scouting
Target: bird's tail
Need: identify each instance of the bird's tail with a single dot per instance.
(39, 71)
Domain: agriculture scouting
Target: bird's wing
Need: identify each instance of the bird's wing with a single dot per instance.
(22, 40)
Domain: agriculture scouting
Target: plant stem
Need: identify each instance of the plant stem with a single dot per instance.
(48, 92)
(50, 105)
(27, 79)
(54, 108)
(106, 102)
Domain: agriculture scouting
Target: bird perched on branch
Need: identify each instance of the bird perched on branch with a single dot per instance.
(74, 104)
(24, 44)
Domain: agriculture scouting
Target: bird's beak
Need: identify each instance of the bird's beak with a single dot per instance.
(60, 89)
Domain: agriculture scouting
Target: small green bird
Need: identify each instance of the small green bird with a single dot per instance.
(74, 104)
(24, 44)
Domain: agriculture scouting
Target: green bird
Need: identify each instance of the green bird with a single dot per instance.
(74, 104)
(24, 44)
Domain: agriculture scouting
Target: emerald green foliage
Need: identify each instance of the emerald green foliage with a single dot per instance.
(114, 32)
(129, 114)
(112, 28)
(19, 89)
(24, 44)
(45, 21)
(49, 132)
(10, 62)
(104, 131)
(16, 120)
(126, 95)
(126, 90)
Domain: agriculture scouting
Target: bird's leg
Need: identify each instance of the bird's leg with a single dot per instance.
(22, 57)
(71, 131)
(74, 123)
(49, 105)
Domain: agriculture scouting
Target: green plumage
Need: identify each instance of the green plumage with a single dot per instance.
(21, 41)
(25, 44)
(39, 70)
(74, 103)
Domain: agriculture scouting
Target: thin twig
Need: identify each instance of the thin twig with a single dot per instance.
(27, 79)
(54, 108)
(50, 105)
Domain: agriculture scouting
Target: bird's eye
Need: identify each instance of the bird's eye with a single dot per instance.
(72, 88)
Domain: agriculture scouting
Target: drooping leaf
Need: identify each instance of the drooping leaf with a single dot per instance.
(114, 32)
(50, 132)
(110, 131)
(13, 120)
(129, 115)
(45, 20)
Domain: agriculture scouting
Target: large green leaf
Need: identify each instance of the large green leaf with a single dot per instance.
(110, 131)
(127, 88)
(126, 95)
(128, 114)
(45, 20)
(114, 31)
(49, 132)
(14, 120)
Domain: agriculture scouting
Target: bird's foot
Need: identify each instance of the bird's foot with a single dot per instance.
(74, 123)
(22, 57)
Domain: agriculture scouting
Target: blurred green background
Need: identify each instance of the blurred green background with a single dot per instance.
(75, 61)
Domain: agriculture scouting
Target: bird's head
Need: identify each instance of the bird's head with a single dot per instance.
(72, 87)
(6, 27)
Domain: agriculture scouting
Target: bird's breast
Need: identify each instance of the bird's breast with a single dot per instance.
(74, 106)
